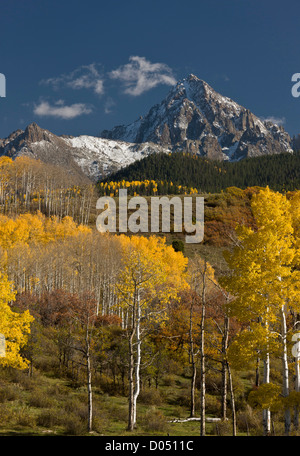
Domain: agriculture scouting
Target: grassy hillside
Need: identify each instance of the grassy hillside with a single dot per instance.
(48, 404)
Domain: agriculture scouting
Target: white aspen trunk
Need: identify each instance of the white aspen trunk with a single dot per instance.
(202, 355)
(296, 354)
(193, 363)
(131, 383)
(138, 360)
(89, 383)
(232, 399)
(131, 409)
(285, 384)
(297, 388)
(266, 412)
(193, 386)
(90, 395)
(224, 368)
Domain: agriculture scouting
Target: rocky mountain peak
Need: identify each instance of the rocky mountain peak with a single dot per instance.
(192, 117)
(34, 133)
(195, 117)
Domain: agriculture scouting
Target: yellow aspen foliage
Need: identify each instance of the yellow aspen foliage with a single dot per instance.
(262, 263)
(29, 228)
(15, 327)
(266, 396)
(152, 273)
(263, 279)
(243, 351)
(153, 267)
(294, 200)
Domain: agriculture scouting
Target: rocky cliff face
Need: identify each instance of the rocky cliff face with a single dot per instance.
(41, 144)
(196, 118)
(84, 157)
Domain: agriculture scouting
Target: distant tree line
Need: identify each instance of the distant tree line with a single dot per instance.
(147, 188)
(28, 185)
(280, 172)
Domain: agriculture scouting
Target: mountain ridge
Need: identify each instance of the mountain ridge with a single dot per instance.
(193, 117)
(85, 157)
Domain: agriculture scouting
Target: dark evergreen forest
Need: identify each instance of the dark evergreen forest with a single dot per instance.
(279, 172)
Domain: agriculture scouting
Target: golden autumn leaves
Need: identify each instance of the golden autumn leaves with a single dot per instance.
(145, 274)
(159, 266)
(265, 269)
(153, 266)
(14, 326)
(145, 187)
(265, 280)
(16, 234)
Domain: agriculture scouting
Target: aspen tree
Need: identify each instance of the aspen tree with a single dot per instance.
(151, 275)
(265, 286)
(201, 278)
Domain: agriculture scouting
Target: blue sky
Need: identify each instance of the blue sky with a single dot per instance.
(78, 67)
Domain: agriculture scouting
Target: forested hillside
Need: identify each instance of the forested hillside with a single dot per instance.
(141, 334)
(280, 172)
(28, 185)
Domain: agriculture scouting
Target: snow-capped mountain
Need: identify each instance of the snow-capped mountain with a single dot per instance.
(82, 156)
(194, 117)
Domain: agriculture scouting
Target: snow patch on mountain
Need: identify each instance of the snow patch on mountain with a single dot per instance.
(98, 157)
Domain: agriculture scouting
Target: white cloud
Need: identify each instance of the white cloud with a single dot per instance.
(99, 87)
(60, 110)
(84, 77)
(140, 75)
(274, 120)
(109, 104)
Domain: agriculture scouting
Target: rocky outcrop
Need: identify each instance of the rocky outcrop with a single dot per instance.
(194, 117)
(86, 158)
